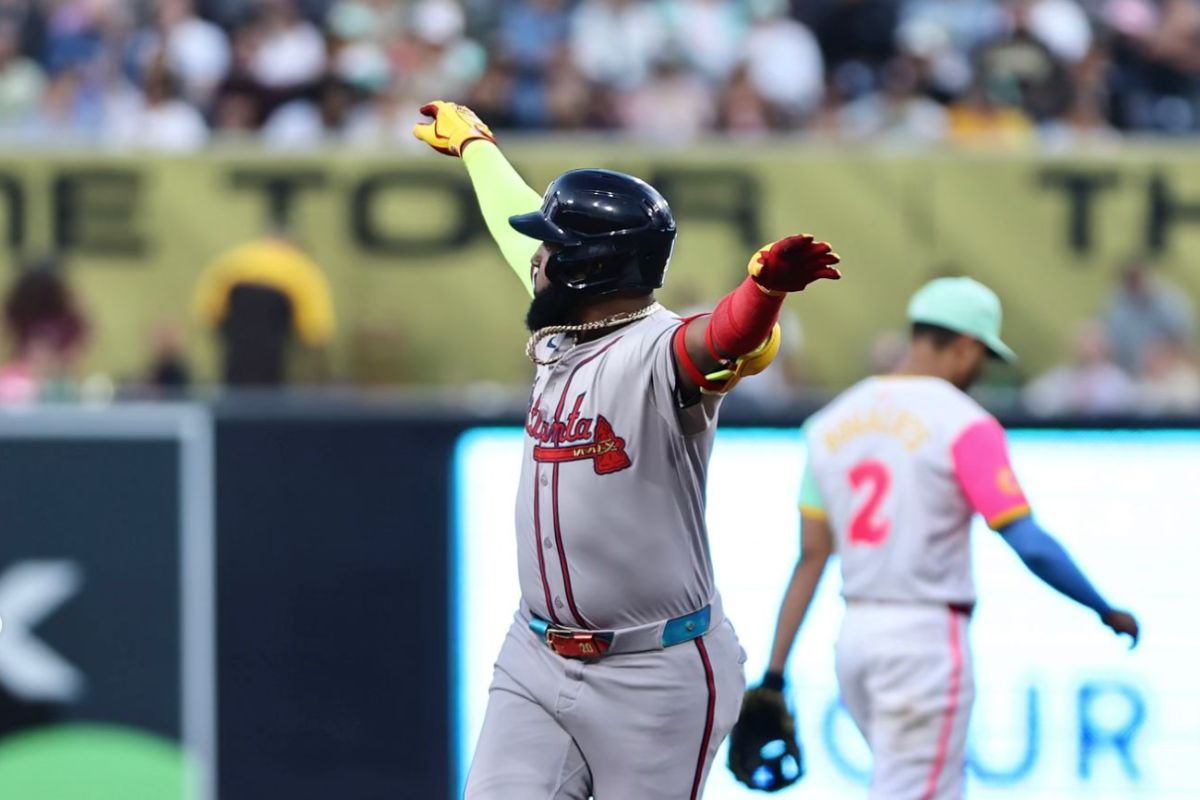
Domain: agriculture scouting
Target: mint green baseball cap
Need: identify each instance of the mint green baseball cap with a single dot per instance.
(965, 306)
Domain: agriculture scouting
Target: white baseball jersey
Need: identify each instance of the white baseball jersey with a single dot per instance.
(610, 510)
(899, 464)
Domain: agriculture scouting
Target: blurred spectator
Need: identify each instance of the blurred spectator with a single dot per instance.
(491, 96)
(571, 101)
(295, 125)
(672, 107)
(260, 297)
(958, 25)
(1090, 384)
(741, 109)
(162, 120)
(1156, 55)
(531, 35)
(985, 118)
(73, 35)
(709, 34)
(378, 21)
(940, 35)
(241, 103)
(290, 50)
(197, 51)
(305, 123)
(22, 81)
(615, 42)
(857, 34)
(1147, 311)
(899, 114)
(28, 17)
(47, 336)
(783, 62)
(439, 60)
(1170, 380)
(532, 32)
(1086, 118)
(1061, 25)
(1020, 71)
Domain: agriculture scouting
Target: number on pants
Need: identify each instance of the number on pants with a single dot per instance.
(865, 527)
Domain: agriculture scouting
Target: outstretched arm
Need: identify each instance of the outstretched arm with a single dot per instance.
(500, 190)
(740, 337)
(985, 475)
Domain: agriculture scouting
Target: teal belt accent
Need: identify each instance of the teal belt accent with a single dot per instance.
(688, 627)
(539, 626)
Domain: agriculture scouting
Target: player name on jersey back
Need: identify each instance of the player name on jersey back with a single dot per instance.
(899, 465)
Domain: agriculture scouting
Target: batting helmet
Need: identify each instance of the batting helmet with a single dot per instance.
(615, 231)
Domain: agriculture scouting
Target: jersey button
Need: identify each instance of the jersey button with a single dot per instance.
(545, 480)
(558, 602)
(547, 542)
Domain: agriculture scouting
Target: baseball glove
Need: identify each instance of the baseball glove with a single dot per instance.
(764, 752)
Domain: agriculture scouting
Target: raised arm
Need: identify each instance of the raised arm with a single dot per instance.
(741, 337)
(500, 190)
(983, 471)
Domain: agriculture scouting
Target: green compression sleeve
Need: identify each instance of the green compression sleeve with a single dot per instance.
(502, 193)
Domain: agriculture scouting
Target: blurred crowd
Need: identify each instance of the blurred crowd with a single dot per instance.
(1138, 356)
(173, 74)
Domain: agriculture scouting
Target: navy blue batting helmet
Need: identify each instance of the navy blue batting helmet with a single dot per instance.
(614, 231)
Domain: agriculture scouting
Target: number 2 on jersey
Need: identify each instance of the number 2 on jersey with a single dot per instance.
(865, 526)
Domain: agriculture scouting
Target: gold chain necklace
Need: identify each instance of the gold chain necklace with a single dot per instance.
(608, 322)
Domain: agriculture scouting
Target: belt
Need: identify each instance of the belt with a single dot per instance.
(965, 609)
(583, 644)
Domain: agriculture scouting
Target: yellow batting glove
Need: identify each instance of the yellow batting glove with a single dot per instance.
(452, 127)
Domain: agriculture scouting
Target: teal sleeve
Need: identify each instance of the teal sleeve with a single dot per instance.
(502, 193)
(810, 494)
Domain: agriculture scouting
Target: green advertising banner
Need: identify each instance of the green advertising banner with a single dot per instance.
(423, 297)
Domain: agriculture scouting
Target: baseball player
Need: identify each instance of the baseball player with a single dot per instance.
(620, 675)
(897, 467)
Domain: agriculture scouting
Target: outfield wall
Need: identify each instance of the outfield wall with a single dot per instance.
(324, 624)
(423, 297)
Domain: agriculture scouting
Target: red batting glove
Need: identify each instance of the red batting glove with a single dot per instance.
(792, 263)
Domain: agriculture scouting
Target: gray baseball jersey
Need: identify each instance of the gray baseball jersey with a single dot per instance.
(611, 535)
(610, 509)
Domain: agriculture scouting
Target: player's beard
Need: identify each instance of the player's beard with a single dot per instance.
(553, 305)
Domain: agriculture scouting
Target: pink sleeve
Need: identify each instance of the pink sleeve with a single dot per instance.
(983, 471)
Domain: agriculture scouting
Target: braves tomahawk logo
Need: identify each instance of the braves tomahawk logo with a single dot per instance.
(577, 438)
